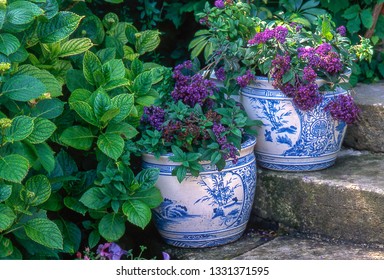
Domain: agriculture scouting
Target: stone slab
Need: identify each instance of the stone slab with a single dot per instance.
(250, 240)
(343, 202)
(294, 248)
(368, 132)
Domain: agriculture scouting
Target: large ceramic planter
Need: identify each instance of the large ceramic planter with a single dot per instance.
(291, 139)
(209, 210)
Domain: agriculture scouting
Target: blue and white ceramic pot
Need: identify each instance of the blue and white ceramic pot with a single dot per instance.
(209, 210)
(291, 139)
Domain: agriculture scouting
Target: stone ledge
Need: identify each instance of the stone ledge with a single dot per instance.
(368, 133)
(343, 202)
(296, 248)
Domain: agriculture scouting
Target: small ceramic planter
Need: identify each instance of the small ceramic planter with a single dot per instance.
(291, 139)
(209, 210)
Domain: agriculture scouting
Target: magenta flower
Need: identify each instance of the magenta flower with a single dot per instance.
(220, 4)
(341, 30)
(246, 79)
(343, 108)
(110, 251)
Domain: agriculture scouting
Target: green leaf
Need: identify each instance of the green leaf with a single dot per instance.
(198, 49)
(42, 130)
(136, 67)
(23, 88)
(13, 168)
(22, 13)
(71, 236)
(116, 84)
(51, 83)
(8, 43)
(5, 192)
(109, 115)
(7, 217)
(111, 144)
(137, 212)
(48, 108)
(352, 12)
(93, 239)
(45, 156)
(78, 137)
(21, 128)
(44, 232)
(143, 83)
(91, 64)
(147, 178)
(125, 103)
(112, 227)
(38, 190)
(6, 247)
(94, 198)
(178, 154)
(151, 197)
(85, 111)
(76, 81)
(180, 172)
(147, 41)
(101, 104)
(75, 46)
(114, 69)
(367, 18)
(58, 28)
(353, 25)
(124, 129)
(75, 205)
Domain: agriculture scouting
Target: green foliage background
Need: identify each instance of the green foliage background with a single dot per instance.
(177, 23)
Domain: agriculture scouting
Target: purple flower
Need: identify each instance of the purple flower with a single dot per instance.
(341, 30)
(309, 74)
(166, 256)
(323, 49)
(218, 129)
(155, 116)
(307, 96)
(191, 90)
(246, 79)
(280, 33)
(220, 4)
(343, 108)
(262, 37)
(220, 74)
(110, 251)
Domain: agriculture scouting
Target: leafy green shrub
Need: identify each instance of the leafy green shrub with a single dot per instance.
(72, 90)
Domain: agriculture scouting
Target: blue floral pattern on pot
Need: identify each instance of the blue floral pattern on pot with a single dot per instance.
(291, 139)
(209, 210)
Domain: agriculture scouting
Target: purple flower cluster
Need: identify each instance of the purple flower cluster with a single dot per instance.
(110, 251)
(321, 58)
(304, 92)
(341, 30)
(231, 150)
(220, 4)
(245, 79)
(280, 65)
(155, 116)
(307, 96)
(220, 74)
(279, 33)
(343, 108)
(191, 90)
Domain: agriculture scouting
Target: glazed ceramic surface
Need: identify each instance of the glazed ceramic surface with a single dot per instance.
(210, 210)
(291, 139)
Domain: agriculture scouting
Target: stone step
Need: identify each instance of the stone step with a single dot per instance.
(368, 133)
(344, 202)
(264, 245)
(302, 248)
